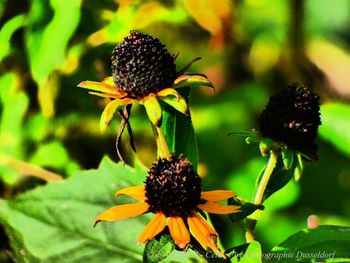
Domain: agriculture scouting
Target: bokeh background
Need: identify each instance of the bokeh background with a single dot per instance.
(249, 49)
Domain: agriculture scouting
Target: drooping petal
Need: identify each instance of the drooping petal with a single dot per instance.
(205, 235)
(178, 231)
(97, 86)
(153, 228)
(217, 195)
(178, 103)
(216, 208)
(137, 192)
(153, 109)
(168, 92)
(121, 212)
(104, 95)
(190, 80)
(109, 111)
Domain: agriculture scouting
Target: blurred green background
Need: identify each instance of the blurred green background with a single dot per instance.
(249, 50)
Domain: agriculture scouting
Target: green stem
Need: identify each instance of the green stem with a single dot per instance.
(258, 199)
(163, 150)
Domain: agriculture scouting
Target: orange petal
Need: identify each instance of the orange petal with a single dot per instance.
(137, 192)
(205, 235)
(153, 228)
(121, 212)
(178, 231)
(217, 195)
(216, 208)
(97, 86)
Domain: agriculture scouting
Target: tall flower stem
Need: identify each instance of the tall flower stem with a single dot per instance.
(258, 199)
(163, 150)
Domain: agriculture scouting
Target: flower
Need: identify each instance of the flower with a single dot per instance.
(172, 191)
(144, 72)
(291, 118)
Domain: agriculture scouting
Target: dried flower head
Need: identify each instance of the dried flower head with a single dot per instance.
(292, 118)
(142, 65)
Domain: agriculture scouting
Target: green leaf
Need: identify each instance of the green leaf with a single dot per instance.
(335, 125)
(246, 253)
(54, 223)
(6, 33)
(280, 177)
(46, 44)
(246, 209)
(322, 244)
(157, 250)
(179, 132)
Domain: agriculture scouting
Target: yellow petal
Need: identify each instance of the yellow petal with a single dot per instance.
(190, 80)
(104, 95)
(179, 232)
(217, 195)
(205, 235)
(153, 109)
(97, 86)
(216, 208)
(168, 92)
(109, 81)
(109, 111)
(137, 192)
(121, 212)
(178, 103)
(153, 228)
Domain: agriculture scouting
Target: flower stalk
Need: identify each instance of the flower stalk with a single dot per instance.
(259, 195)
(163, 150)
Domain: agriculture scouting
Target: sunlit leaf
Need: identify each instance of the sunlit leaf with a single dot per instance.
(246, 253)
(47, 44)
(157, 250)
(179, 131)
(6, 33)
(322, 244)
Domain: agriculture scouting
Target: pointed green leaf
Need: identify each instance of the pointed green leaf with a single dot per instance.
(61, 216)
(179, 132)
(246, 209)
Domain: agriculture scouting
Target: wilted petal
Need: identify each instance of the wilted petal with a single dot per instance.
(205, 235)
(109, 111)
(190, 80)
(153, 109)
(179, 232)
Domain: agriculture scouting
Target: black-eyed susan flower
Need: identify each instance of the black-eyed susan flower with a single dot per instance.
(144, 72)
(291, 118)
(172, 191)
